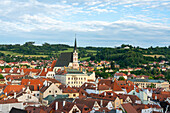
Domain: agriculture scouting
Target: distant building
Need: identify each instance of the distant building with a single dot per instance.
(117, 75)
(143, 83)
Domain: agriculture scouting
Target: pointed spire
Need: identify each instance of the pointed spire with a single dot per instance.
(75, 46)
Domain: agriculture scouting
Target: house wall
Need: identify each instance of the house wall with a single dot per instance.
(28, 98)
(89, 91)
(157, 85)
(75, 107)
(72, 95)
(96, 106)
(5, 108)
(61, 78)
(117, 102)
(50, 74)
(110, 105)
(76, 79)
(149, 110)
(52, 90)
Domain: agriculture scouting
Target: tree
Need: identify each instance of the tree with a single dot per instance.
(151, 77)
(121, 78)
(1, 76)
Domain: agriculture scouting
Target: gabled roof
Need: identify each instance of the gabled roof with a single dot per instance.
(13, 88)
(120, 74)
(41, 109)
(64, 59)
(129, 108)
(53, 63)
(43, 89)
(139, 107)
(88, 102)
(31, 82)
(116, 87)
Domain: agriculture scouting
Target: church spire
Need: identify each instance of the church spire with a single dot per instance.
(75, 46)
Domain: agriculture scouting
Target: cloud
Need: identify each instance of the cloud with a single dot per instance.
(122, 20)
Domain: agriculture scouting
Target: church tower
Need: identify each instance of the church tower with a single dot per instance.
(75, 56)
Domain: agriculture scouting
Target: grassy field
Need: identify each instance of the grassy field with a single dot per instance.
(157, 56)
(91, 51)
(68, 50)
(85, 58)
(11, 53)
(19, 54)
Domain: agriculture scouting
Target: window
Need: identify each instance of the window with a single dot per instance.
(37, 94)
(68, 78)
(49, 91)
(55, 91)
(74, 95)
(68, 82)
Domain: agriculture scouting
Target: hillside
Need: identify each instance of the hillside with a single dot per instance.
(126, 55)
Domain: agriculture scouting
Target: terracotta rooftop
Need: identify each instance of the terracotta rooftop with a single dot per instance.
(129, 108)
(13, 88)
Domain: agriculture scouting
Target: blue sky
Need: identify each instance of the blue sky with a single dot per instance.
(106, 23)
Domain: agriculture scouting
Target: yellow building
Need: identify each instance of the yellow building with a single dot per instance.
(75, 78)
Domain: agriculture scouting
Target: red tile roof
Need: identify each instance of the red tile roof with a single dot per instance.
(2, 101)
(116, 87)
(69, 90)
(129, 108)
(13, 88)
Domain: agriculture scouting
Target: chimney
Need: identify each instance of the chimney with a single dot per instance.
(56, 106)
(45, 69)
(15, 94)
(101, 103)
(155, 97)
(104, 93)
(55, 94)
(23, 89)
(64, 102)
(149, 99)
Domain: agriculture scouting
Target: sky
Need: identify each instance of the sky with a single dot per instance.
(103, 23)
